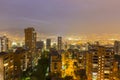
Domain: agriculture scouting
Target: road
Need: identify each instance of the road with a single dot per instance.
(69, 69)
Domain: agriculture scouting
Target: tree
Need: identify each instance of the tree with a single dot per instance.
(68, 78)
(42, 66)
(81, 73)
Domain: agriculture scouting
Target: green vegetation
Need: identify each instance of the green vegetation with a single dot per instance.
(43, 64)
(81, 73)
(26, 74)
(68, 78)
(39, 73)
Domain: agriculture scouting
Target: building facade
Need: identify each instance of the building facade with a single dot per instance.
(20, 62)
(6, 66)
(55, 63)
(48, 44)
(99, 63)
(40, 45)
(59, 43)
(117, 47)
(30, 38)
(4, 43)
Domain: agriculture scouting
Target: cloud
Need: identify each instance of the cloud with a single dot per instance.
(60, 16)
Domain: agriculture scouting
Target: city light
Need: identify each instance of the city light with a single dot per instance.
(6, 64)
(14, 43)
(59, 40)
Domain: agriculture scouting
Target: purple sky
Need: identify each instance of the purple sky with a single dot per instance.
(60, 16)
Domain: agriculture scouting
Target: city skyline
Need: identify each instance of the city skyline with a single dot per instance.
(59, 40)
(61, 17)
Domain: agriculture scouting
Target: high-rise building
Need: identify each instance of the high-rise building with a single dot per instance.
(99, 63)
(30, 38)
(3, 44)
(55, 63)
(59, 43)
(48, 43)
(117, 47)
(54, 45)
(20, 62)
(40, 44)
(6, 66)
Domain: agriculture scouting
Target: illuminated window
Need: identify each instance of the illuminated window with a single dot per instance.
(55, 65)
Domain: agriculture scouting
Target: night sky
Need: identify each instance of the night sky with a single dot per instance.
(60, 16)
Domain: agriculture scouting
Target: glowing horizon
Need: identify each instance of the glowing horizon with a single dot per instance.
(62, 17)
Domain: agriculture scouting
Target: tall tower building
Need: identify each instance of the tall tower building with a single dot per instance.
(117, 47)
(48, 43)
(59, 43)
(4, 44)
(30, 38)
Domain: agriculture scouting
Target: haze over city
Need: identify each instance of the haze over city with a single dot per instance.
(59, 40)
